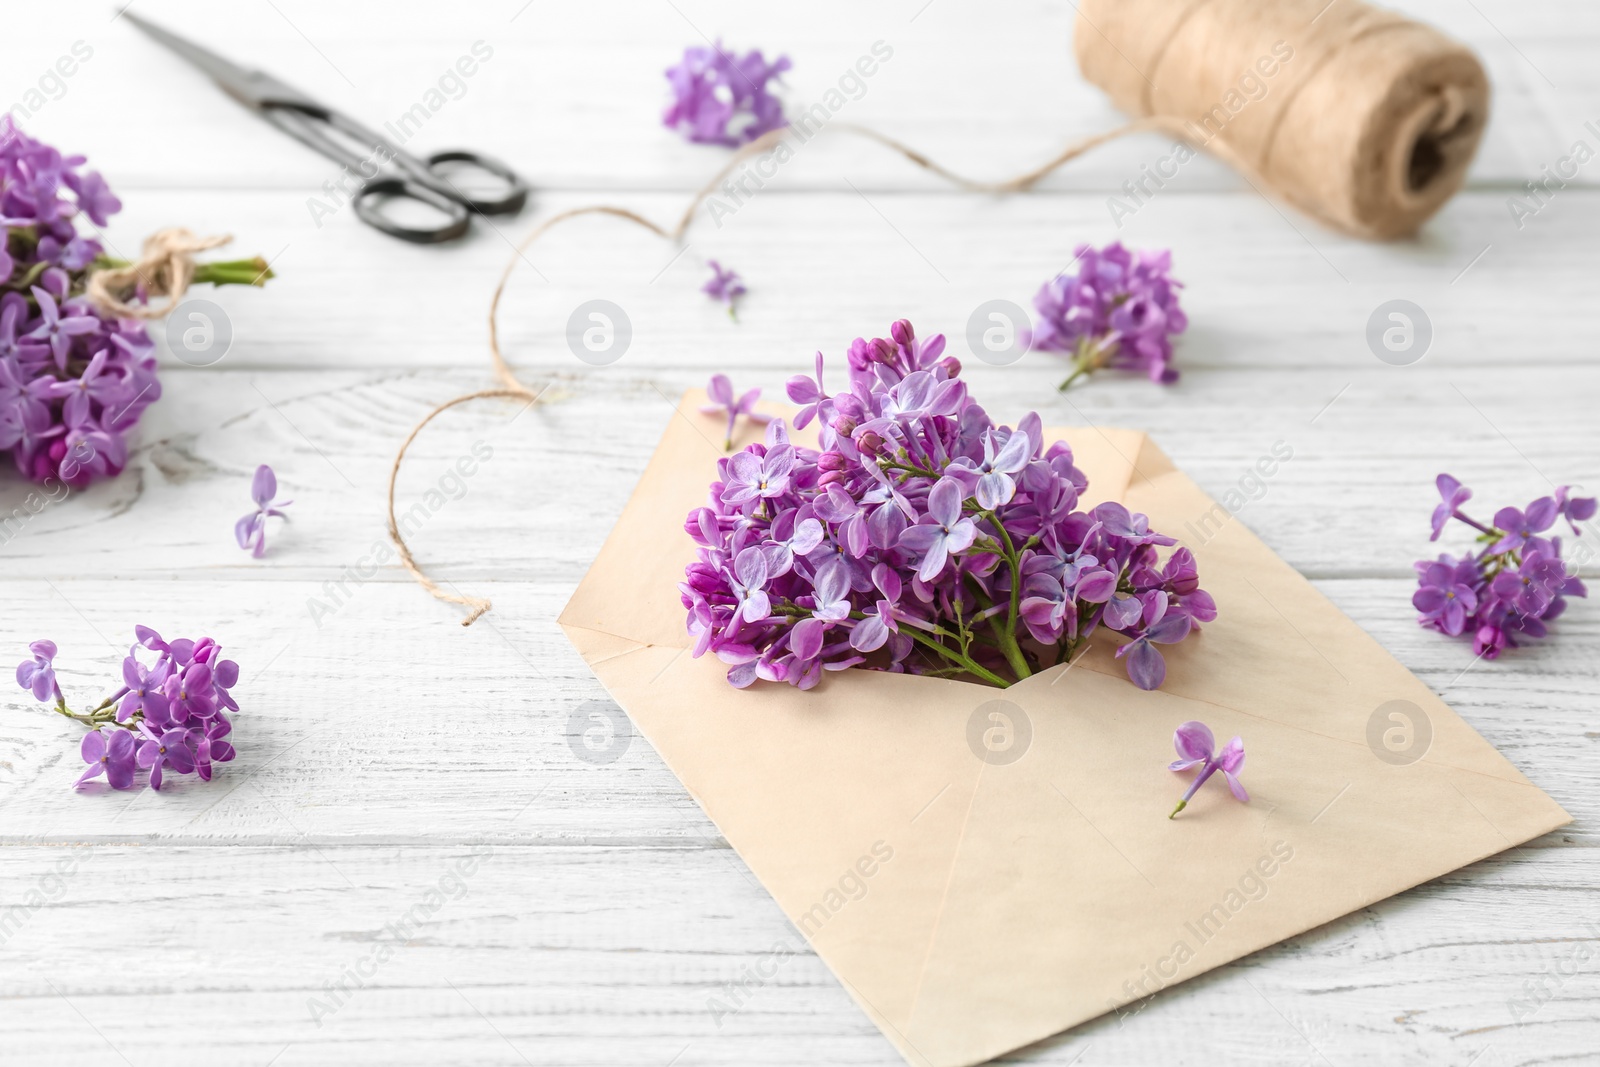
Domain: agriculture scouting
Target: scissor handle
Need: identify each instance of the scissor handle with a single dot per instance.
(458, 215)
(511, 202)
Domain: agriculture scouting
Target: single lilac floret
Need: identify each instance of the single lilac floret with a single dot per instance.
(1194, 743)
(720, 390)
(251, 530)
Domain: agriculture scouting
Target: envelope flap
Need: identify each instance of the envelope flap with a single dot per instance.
(631, 590)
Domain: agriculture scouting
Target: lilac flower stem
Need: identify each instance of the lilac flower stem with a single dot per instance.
(253, 271)
(104, 715)
(1089, 357)
(1074, 376)
(966, 663)
(1008, 633)
(1476, 525)
(1194, 786)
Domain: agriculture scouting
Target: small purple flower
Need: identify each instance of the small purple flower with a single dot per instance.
(1574, 509)
(94, 384)
(1194, 743)
(723, 99)
(38, 675)
(994, 485)
(748, 585)
(190, 694)
(57, 330)
(1534, 585)
(1147, 667)
(1524, 527)
(167, 749)
(19, 391)
(810, 395)
(1452, 495)
(1448, 594)
(942, 531)
(108, 751)
(753, 478)
(146, 695)
(251, 530)
(720, 390)
(724, 286)
(94, 196)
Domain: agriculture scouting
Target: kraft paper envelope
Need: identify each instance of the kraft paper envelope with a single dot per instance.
(985, 867)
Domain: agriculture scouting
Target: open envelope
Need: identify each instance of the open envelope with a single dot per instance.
(985, 867)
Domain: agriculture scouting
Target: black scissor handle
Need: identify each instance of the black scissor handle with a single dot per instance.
(377, 191)
(509, 203)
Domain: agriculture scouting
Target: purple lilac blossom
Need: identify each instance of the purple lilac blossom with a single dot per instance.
(718, 98)
(167, 716)
(723, 401)
(251, 530)
(1118, 309)
(921, 537)
(724, 286)
(1514, 585)
(72, 381)
(1194, 743)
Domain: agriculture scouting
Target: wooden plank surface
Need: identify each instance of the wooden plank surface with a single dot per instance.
(409, 789)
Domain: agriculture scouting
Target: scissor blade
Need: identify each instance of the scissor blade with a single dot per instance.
(252, 88)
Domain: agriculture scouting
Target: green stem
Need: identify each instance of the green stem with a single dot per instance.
(104, 715)
(1008, 633)
(1074, 376)
(253, 271)
(966, 663)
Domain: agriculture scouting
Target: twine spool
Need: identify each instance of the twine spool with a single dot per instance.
(1360, 117)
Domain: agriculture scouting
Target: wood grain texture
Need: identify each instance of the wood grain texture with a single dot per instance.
(384, 750)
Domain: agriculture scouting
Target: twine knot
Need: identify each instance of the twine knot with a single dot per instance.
(165, 268)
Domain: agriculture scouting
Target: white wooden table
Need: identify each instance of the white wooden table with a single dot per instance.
(384, 747)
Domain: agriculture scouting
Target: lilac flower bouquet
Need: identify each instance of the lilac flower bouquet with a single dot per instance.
(921, 537)
(1513, 586)
(1118, 310)
(167, 716)
(73, 381)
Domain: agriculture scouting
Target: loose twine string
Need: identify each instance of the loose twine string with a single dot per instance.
(1363, 112)
(165, 268)
(511, 387)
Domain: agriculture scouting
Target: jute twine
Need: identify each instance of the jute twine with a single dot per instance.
(165, 268)
(1360, 117)
(1368, 126)
(513, 388)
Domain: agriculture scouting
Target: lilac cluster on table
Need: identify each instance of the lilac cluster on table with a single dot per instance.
(724, 286)
(73, 381)
(1116, 309)
(922, 537)
(168, 716)
(1510, 589)
(719, 98)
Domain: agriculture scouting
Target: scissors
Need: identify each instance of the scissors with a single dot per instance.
(321, 127)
